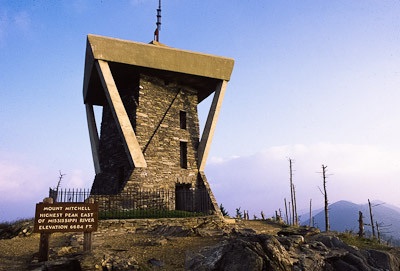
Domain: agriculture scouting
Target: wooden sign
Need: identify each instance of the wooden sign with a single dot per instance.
(66, 217)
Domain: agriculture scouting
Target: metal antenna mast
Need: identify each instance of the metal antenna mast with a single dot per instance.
(158, 29)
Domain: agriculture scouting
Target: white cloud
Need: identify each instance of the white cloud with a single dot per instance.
(18, 181)
(217, 160)
(77, 180)
(261, 181)
(23, 184)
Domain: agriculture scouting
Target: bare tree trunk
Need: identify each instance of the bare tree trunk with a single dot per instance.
(296, 220)
(372, 220)
(290, 215)
(360, 224)
(262, 215)
(287, 218)
(379, 233)
(291, 189)
(326, 199)
(309, 224)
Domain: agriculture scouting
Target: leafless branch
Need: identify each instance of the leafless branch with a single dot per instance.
(379, 204)
(59, 180)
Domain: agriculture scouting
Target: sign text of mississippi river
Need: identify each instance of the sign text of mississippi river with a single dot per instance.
(66, 217)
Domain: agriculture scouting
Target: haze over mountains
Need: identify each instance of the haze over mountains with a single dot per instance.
(343, 215)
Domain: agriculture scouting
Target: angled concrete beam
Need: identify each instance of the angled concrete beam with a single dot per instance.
(211, 123)
(160, 57)
(132, 148)
(89, 61)
(94, 137)
(210, 193)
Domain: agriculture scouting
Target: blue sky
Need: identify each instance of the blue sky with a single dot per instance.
(316, 81)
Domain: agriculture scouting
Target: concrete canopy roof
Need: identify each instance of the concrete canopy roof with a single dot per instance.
(199, 71)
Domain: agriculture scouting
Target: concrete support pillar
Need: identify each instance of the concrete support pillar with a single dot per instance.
(211, 123)
(132, 148)
(94, 136)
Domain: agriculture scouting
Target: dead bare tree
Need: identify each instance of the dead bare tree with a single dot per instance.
(379, 227)
(296, 218)
(291, 189)
(360, 224)
(246, 214)
(59, 180)
(290, 215)
(327, 228)
(287, 218)
(309, 224)
(372, 220)
(379, 233)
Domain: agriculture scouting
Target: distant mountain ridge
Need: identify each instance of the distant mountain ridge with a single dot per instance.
(343, 215)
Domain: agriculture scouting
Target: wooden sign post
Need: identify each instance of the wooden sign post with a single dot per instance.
(87, 235)
(65, 217)
(44, 239)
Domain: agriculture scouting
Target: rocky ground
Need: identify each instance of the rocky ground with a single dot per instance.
(176, 244)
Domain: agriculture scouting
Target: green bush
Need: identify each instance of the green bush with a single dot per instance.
(223, 210)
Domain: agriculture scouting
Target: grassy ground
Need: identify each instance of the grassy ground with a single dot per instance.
(362, 243)
(5, 225)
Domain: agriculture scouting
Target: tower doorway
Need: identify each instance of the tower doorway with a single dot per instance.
(183, 197)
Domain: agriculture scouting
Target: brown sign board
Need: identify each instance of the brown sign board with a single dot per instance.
(66, 217)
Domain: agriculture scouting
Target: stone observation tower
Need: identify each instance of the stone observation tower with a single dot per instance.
(149, 135)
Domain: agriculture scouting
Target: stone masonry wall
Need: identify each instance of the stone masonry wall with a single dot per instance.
(114, 164)
(159, 134)
(153, 107)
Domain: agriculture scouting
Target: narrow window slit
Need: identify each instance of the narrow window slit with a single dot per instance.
(183, 147)
(182, 117)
